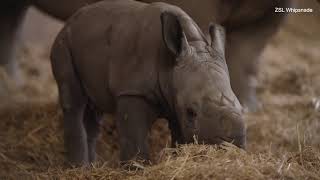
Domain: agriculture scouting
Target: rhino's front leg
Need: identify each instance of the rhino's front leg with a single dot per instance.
(244, 47)
(134, 119)
(176, 134)
(242, 54)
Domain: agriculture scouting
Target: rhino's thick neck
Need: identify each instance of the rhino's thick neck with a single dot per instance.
(166, 92)
(167, 96)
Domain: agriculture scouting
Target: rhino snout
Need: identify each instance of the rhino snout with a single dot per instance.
(234, 130)
(228, 127)
(239, 141)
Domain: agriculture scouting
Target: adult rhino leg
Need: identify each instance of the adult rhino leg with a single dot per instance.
(244, 46)
(11, 18)
(61, 9)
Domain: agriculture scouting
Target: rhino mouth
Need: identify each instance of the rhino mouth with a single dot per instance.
(238, 141)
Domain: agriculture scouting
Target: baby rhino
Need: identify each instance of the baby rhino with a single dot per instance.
(142, 62)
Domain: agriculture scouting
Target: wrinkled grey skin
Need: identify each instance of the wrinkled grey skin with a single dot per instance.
(249, 24)
(142, 62)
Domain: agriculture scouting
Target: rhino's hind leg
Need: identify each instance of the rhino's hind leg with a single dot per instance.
(134, 119)
(244, 47)
(73, 102)
(92, 125)
(75, 137)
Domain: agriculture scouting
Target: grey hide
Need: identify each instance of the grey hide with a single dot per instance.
(141, 62)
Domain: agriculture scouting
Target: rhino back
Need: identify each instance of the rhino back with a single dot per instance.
(116, 49)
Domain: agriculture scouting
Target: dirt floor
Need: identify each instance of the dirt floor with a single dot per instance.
(283, 137)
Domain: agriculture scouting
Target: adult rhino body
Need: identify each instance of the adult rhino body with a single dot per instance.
(142, 62)
(12, 16)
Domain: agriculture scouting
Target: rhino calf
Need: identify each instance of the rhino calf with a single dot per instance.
(142, 62)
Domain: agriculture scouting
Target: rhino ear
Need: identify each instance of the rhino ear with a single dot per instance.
(172, 33)
(218, 37)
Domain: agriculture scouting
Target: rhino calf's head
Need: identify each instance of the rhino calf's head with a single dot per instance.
(205, 104)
